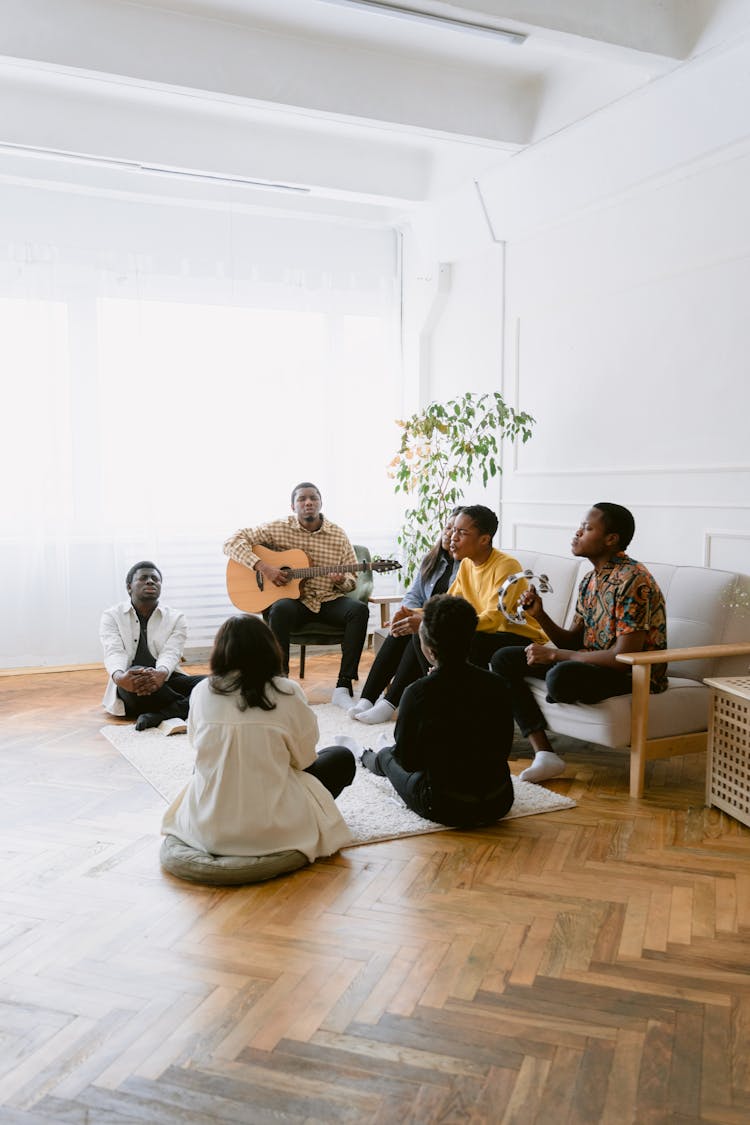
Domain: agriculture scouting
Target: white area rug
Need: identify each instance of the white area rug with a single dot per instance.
(369, 806)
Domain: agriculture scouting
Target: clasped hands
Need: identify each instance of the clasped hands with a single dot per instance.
(405, 621)
(142, 681)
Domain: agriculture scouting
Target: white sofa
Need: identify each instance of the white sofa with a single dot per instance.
(707, 636)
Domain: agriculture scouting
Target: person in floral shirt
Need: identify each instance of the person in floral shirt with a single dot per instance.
(620, 608)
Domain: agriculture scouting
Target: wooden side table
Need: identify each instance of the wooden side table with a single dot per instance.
(728, 766)
(385, 601)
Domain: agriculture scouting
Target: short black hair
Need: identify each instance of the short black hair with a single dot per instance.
(484, 518)
(144, 564)
(618, 521)
(448, 626)
(306, 484)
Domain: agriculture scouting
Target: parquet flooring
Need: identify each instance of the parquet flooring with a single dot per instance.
(589, 965)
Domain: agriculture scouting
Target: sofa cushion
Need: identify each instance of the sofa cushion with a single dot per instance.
(681, 709)
(697, 601)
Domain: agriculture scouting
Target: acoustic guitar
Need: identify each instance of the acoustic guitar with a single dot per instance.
(252, 593)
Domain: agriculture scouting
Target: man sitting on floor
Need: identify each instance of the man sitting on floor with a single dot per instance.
(143, 644)
(620, 608)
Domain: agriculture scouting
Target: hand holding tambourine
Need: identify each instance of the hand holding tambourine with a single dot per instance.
(519, 617)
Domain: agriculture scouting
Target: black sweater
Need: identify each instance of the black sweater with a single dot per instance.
(457, 725)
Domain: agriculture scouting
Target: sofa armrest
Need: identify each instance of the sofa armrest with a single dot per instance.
(700, 652)
(641, 663)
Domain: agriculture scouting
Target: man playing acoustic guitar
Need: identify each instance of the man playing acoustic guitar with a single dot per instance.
(327, 546)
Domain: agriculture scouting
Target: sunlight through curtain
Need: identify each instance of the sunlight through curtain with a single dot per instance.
(169, 374)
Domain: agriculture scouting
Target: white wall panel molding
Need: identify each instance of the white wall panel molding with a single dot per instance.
(658, 505)
(529, 526)
(692, 113)
(631, 470)
(720, 155)
(727, 550)
(678, 539)
(513, 365)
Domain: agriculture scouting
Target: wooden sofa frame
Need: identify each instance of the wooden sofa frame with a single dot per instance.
(642, 748)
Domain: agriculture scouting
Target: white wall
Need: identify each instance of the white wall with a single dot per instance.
(626, 320)
(629, 333)
(453, 308)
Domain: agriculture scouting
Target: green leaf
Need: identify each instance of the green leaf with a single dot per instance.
(463, 436)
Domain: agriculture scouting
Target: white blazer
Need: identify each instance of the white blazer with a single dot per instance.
(119, 631)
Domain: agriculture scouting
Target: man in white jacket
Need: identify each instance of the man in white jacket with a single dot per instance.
(143, 644)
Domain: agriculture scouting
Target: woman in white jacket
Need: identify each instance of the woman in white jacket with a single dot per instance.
(258, 785)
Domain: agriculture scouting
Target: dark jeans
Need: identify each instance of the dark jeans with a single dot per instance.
(335, 768)
(571, 681)
(288, 614)
(171, 700)
(412, 788)
(483, 646)
(445, 808)
(396, 664)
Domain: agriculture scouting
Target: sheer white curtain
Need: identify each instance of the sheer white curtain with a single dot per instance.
(169, 372)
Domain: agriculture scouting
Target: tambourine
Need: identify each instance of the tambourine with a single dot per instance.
(542, 584)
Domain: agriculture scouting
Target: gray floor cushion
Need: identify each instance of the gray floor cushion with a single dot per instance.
(225, 870)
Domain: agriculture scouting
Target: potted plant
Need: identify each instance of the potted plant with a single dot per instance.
(443, 449)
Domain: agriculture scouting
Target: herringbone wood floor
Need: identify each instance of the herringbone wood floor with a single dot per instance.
(583, 966)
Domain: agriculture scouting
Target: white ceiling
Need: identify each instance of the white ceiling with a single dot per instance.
(372, 115)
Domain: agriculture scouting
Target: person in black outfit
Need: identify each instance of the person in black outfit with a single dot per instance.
(454, 732)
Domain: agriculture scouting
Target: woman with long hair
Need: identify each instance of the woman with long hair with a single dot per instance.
(396, 665)
(258, 785)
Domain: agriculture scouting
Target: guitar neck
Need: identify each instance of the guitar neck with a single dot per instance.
(319, 571)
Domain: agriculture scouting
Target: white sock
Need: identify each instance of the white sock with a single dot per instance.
(546, 764)
(342, 698)
(350, 743)
(380, 712)
(360, 705)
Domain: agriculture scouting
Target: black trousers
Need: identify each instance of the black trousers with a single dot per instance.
(335, 768)
(396, 664)
(570, 681)
(415, 791)
(289, 614)
(171, 700)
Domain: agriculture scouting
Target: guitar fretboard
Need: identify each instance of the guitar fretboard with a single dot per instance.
(318, 571)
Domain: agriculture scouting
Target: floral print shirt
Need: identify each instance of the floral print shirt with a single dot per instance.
(623, 597)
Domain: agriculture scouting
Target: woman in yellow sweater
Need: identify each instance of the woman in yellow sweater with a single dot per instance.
(481, 573)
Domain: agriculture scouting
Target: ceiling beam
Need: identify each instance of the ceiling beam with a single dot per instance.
(219, 59)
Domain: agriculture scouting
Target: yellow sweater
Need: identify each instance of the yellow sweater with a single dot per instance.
(480, 584)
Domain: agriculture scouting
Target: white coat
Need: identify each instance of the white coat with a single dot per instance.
(249, 794)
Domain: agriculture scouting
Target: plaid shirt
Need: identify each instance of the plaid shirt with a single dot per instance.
(328, 546)
(623, 597)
